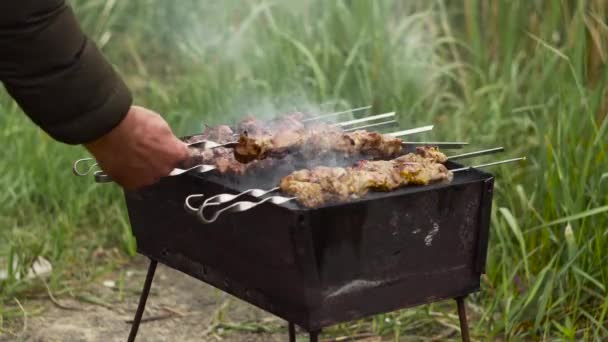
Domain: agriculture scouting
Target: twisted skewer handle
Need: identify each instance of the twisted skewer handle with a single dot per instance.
(239, 207)
(102, 177)
(189, 207)
(225, 198)
(77, 169)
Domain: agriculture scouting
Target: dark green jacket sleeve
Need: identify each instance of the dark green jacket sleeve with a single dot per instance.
(56, 74)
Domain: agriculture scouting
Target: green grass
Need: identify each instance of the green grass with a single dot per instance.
(522, 74)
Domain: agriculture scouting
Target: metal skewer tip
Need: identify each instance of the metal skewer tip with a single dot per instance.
(443, 144)
(412, 131)
(325, 116)
(488, 164)
(369, 118)
(383, 123)
(477, 153)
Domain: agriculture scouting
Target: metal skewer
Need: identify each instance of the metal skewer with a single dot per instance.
(365, 119)
(383, 123)
(411, 131)
(78, 172)
(325, 116)
(248, 205)
(396, 134)
(102, 177)
(466, 168)
(232, 144)
(477, 153)
(225, 198)
(442, 144)
(211, 144)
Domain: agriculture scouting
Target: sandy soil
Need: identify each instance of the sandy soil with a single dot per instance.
(191, 311)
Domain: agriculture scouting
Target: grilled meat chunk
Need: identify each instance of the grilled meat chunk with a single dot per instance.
(322, 185)
(223, 159)
(315, 141)
(274, 139)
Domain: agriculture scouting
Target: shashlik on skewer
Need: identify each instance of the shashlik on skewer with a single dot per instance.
(431, 177)
(372, 171)
(297, 120)
(321, 185)
(288, 134)
(225, 198)
(316, 140)
(224, 133)
(223, 158)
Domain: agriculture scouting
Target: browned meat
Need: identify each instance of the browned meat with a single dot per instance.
(249, 148)
(322, 185)
(315, 141)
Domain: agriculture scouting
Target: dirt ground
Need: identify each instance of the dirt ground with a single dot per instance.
(182, 309)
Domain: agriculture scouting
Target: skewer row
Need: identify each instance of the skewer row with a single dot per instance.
(257, 193)
(101, 177)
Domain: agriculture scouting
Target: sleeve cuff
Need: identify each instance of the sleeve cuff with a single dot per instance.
(97, 122)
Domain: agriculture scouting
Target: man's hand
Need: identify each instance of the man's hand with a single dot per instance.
(140, 150)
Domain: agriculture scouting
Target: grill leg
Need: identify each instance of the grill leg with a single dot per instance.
(292, 332)
(314, 336)
(462, 315)
(142, 300)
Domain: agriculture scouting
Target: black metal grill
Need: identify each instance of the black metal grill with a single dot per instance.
(319, 267)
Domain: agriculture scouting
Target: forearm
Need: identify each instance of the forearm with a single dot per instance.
(56, 74)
